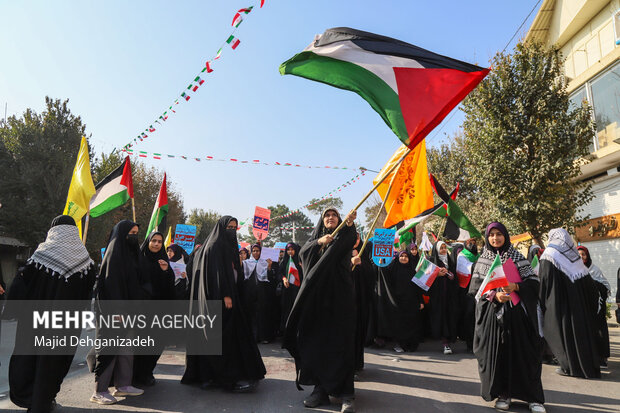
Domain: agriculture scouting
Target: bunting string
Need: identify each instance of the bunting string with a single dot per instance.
(198, 80)
(159, 156)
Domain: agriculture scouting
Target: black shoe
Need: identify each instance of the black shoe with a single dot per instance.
(561, 372)
(317, 398)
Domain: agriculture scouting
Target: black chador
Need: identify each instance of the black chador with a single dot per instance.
(364, 282)
(215, 273)
(59, 269)
(398, 303)
(569, 301)
(443, 294)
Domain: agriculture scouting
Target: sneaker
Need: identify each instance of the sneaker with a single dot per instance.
(127, 391)
(317, 398)
(537, 408)
(103, 397)
(348, 406)
(398, 349)
(447, 350)
(502, 404)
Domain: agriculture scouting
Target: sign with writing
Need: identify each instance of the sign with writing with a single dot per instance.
(260, 224)
(598, 229)
(383, 246)
(280, 245)
(185, 237)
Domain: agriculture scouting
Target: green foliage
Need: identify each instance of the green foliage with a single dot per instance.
(280, 228)
(38, 154)
(522, 141)
(317, 207)
(204, 221)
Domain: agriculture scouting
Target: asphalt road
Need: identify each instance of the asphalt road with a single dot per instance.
(424, 381)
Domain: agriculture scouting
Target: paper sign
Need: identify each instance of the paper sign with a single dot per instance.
(272, 253)
(185, 236)
(260, 224)
(512, 275)
(383, 246)
(178, 268)
(280, 245)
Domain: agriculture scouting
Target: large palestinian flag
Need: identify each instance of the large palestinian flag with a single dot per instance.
(458, 226)
(411, 88)
(113, 190)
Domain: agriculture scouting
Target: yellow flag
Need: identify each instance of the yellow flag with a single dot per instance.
(411, 191)
(81, 189)
(168, 238)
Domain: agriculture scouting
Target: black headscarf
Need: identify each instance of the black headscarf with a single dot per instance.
(473, 247)
(588, 261)
(533, 251)
(62, 220)
(118, 276)
(179, 253)
(504, 231)
(156, 283)
(153, 256)
(283, 268)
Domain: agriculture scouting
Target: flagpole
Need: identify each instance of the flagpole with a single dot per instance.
(374, 223)
(86, 225)
(133, 209)
(396, 165)
(156, 220)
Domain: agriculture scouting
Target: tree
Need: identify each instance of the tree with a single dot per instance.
(317, 206)
(371, 210)
(281, 227)
(38, 154)
(204, 221)
(522, 141)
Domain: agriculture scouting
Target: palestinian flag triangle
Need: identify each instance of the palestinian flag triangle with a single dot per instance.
(458, 226)
(160, 210)
(113, 190)
(411, 88)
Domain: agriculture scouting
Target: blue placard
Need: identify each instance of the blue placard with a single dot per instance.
(280, 245)
(102, 253)
(185, 236)
(383, 246)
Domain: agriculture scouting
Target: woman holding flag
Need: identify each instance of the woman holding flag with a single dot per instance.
(291, 274)
(507, 338)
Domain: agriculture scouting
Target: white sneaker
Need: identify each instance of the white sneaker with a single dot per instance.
(398, 349)
(127, 391)
(502, 404)
(447, 350)
(103, 397)
(537, 408)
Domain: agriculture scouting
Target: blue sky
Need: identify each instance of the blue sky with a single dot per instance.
(121, 64)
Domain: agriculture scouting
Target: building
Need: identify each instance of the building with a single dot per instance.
(587, 33)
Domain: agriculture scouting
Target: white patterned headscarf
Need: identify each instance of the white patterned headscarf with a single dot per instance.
(562, 253)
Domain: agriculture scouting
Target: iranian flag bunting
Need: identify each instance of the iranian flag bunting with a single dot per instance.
(160, 210)
(208, 67)
(113, 190)
(412, 89)
(425, 274)
(233, 42)
(185, 96)
(495, 278)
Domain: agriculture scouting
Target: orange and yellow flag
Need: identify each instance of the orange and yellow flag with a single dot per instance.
(411, 191)
(81, 189)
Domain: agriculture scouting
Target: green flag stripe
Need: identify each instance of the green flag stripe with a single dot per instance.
(110, 203)
(455, 213)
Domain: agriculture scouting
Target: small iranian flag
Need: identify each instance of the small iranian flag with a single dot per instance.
(464, 262)
(208, 67)
(495, 278)
(218, 54)
(233, 42)
(293, 273)
(151, 128)
(535, 264)
(238, 19)
(185, 96)
(425, 275)
(113, 190)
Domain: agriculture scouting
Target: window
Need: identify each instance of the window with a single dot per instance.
(575, 101)
(606, 104)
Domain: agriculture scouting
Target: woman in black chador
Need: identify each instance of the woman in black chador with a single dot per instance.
(291, 274)
(444, 297)
(157, 282)
(507, 337)
(176, 253)
(399, 303)
(215, 273)
(59, 269)
(320, 332)
(119, 279)
(569, 301)
(364, 282)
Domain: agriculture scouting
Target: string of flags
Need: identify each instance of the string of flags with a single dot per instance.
(159, 156)
(198, 80)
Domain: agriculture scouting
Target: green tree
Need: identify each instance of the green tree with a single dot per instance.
(523, 141)
(281, 227)
(204, 221)
(38, 153)
(317, 206)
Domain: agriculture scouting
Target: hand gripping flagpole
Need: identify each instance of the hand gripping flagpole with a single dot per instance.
(392, 169)
(387, 194)
(86, 225)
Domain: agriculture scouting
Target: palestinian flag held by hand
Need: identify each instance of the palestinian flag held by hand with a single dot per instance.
(495, 278)
(458, 226)
(113, 190)
(412, 89)
(160, 210)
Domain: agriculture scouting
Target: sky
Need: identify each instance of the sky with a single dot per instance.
(121, 64)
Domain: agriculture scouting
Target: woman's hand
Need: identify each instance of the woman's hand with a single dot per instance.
(421, 306)
(356, 260)
(228, 302)
(269, 262)
(163, 265)
(511, 287)
(502, 297)
(183, 275)
(350, 218)
(443, 271)
(325, 239)
(286, 283)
